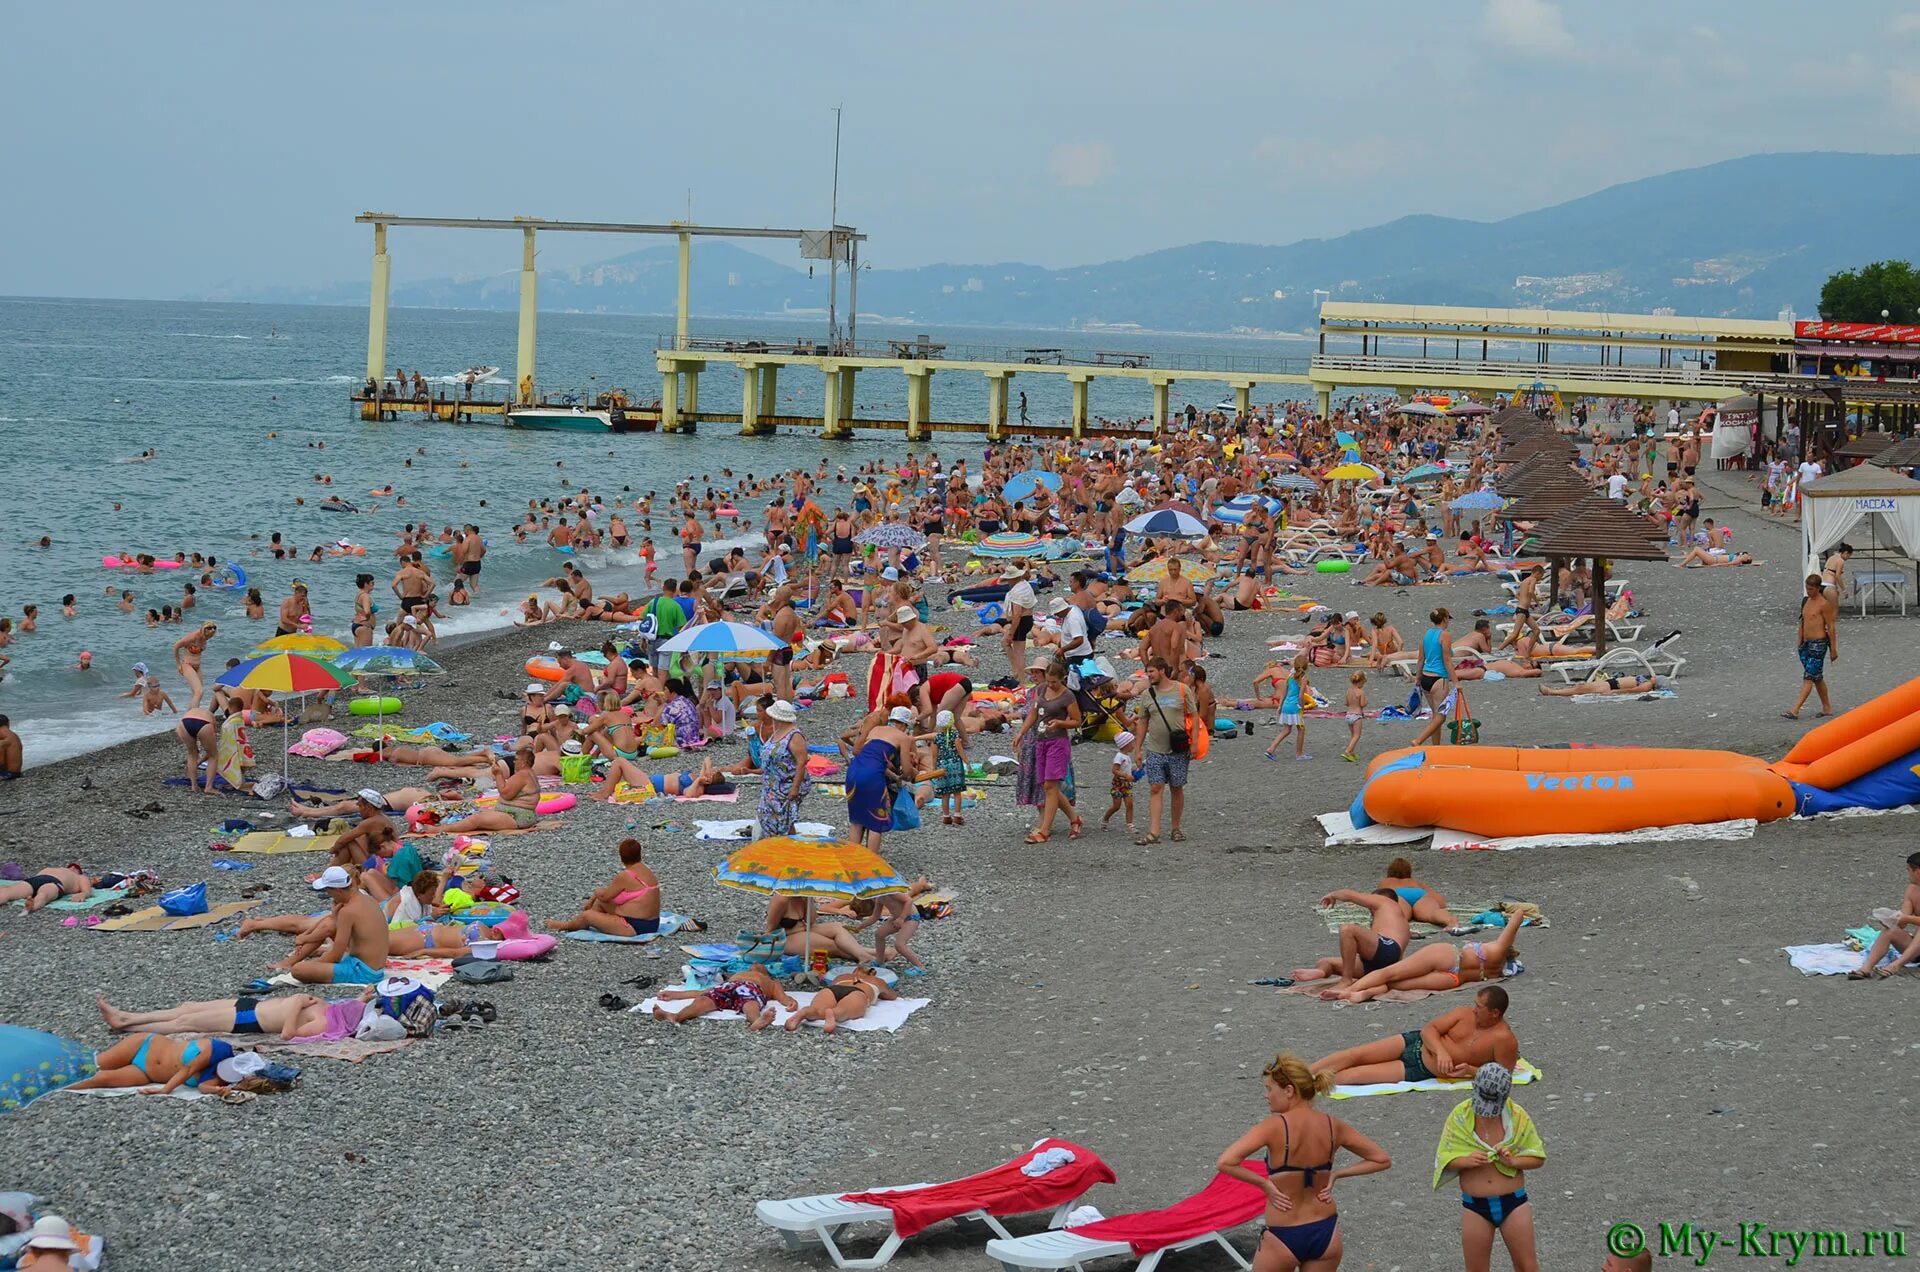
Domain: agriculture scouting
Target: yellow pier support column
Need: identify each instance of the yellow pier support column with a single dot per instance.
(770, 392)
(749, 398)
(1078, 420)
(1323, 401)
(669, 397)
(845, 428)
(377, 307)
(830, 409)
(690, 395)
(523, 377)
(1160, 387)
(919, 401)
(997, 404)
(1243, 398)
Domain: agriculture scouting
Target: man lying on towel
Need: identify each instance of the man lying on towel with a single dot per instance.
(44, 887)
(1436, 968)
(1365, 949)
(1453, 1045)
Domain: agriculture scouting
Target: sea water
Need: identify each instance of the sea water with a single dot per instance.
(237, 400)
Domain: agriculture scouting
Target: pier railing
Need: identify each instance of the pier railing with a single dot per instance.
(924, 349)
(1421, 370)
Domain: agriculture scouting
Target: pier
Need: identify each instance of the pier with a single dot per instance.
(1403, 349)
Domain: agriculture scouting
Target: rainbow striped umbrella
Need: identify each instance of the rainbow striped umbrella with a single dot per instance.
(1155, 571)
(1007, 543)
(286, 673)
(300, 643)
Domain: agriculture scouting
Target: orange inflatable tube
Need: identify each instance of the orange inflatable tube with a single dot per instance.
(1518, 758)
(1843, 764)
(543, 669)
(1594, 800)
(1868, 718)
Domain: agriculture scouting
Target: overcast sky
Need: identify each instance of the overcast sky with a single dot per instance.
(158, 150)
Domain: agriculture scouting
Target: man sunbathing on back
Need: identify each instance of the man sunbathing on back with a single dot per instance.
(1365, 949)
(1453, 1045)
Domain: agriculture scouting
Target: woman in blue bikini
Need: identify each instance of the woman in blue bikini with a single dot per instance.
(1427, 903)
(159, 1065)
(1303, 1225)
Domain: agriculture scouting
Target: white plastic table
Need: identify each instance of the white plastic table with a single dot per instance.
(1871, 578)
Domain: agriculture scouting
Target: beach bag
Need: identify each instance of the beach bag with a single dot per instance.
(1463, 728)
(1177, 741)
(186, 901)
(906, 816)
(576, 768)
(480, 971)
(657, 735)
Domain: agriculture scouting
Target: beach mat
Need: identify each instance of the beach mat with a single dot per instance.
(1341, 913)
(1342, 833)
(1523, 1074)
(1835, 959)
(350, 1050)
(154, 919)
(431, 972)
(279, 841)
(882, 1017)
(95, 900)
(669, 924)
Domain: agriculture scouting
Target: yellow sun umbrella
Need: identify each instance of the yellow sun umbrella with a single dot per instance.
(1155, 571)
(300, 643)
(1353, 472)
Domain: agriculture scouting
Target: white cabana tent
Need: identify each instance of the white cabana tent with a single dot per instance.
(1877, 510)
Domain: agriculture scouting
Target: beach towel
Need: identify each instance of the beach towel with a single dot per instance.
(1457, 1139)
(1004, 1190)
(351, 1050)
(1651, 695)
(154, 919)
(318, 743)
(1311, 989)
(1224, 1203)
(233, 756)
(1524, 1073)
(669, 924)
(722, 831)
(226, 788)
(178, 1093)
(884, 1016)
(280, 841)
(1835, 959)
(431, 972)
(94, 900)
(1344, 912)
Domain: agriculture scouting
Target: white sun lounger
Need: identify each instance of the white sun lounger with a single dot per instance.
(1657, 660)
(1064, 1250)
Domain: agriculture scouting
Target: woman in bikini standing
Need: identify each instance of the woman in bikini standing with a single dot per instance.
(199, 732)
(364, 610)
(1303, 1224)
(186, 657)
(629, 904)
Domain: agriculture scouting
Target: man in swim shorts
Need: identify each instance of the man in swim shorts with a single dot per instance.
(373, 834)
(1453, 1045)
(44, 887)
(358, 951)
(1365, 949)
(292, 1016)
(292, 610)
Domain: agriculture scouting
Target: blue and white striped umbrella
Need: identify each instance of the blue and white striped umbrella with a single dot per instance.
(736, 640)
(1294, 481)
(1235, 510)
(1167, 522)
(891, 534)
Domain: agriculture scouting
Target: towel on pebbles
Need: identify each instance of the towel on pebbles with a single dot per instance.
(1524, 1073)
(887, 1015)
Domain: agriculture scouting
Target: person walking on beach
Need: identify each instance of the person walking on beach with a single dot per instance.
(1162, 746)
(1819, 643)
(1436, 671)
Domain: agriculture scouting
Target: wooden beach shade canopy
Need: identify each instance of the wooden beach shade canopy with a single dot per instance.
(1904, 453)
(1603, 530)
(1866, 446)
(1549, 445)
(1544, 499)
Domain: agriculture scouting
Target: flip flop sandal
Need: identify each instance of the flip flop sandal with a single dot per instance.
(259, 985)
(1179, 836)
(613, 1002)
(1143, 840)
(641, 982)
(450, 1008)
(487, 1013)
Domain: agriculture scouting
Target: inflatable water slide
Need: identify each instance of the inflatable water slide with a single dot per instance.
(1868, 757)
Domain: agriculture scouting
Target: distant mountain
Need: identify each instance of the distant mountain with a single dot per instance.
(1736, 239)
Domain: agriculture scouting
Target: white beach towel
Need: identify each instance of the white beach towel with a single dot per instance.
(1525, 1073)
(887, 1015)
(717, 831)
(1833, 959)
(1459, 840)
(1341, 832)
(178, 1093)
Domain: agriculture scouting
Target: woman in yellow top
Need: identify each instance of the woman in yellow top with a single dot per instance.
(1489, 1143)
(1303, 1226)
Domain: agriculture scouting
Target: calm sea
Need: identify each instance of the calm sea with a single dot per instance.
(237, 398)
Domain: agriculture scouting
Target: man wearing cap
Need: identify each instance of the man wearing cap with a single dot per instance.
(358, 951)
(371, 837)
(1487, 1145)
(1070, 636)
(292, 610)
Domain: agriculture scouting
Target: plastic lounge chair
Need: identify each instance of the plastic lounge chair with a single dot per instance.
(802, 1221)
(1200, 1220)
(1657, 660)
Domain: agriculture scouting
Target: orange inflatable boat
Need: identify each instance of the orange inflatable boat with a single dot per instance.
(1866, 758)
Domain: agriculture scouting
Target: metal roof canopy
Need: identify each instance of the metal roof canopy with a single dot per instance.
(599, 227)
(1839, 389)
(1527, 323)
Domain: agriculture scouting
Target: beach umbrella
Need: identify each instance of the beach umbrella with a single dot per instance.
(891, 534)
(1479, 501)
(1168, 522)
(1346, 441)
(1294, 481)
(1022, 485)
(1235, 510)
(286, 673)
(1007, 543)
(1425, 472)
(33, 1063)
(731, 640)
(1281, 457)
(384, 660)
(810, 868)
(1469, 408)
(300, 643)
(1353, 472)
(1421, 408)
(1155, 571)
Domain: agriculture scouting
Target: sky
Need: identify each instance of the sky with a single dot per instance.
(165, 151)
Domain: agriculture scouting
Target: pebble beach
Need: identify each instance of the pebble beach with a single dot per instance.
(1093, 989)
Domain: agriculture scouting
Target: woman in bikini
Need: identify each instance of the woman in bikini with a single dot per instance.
(1303, 1224)
(1427, 903)
(186, 657)
(1439, 967)
(199, 732)
(364, 610)
(158, 1065)
(628, 905)
(849, 997)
